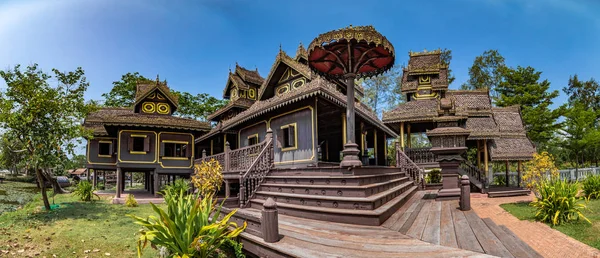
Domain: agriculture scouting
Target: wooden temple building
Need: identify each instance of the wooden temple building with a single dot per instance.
(301, 140)
(145, 138)
(302, 136)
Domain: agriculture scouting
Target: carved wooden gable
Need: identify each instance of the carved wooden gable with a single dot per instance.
(156, 103)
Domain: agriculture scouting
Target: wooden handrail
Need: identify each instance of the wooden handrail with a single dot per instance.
(409, 167)
(251, 179)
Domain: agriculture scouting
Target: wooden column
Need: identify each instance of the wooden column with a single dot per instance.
(507, 172)
(155, 188)
(95, 179)
(131, 179)
(87, 174)
(485, 157)
(104, 178)
(119, 179)
(478, 154)
(402, 135)
(408, 138)
(465, 193)
(343, 130)
(519, 173)
(270, 221)
(375, 146)
(227, 158)
(227, 188)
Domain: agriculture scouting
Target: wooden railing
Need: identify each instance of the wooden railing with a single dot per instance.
(420, 155)
(251, 179)
(238, 160)
(476, 175)
(409, 167)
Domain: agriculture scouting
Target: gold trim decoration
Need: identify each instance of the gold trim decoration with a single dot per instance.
(177, 142)
(149, 107)
(282, 89)
(163, 108)
(152, 95)
(104, 156)
(158, 96)
(298, 83)
(138, 152)
(88, 152)
(138, 135)
(295, 147)
(252, 125)
(190, 158)
(424, 79)
(312, 125)
(252, 93)
(253, 136)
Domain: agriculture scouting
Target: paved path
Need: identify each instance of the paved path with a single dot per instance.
(545, 240)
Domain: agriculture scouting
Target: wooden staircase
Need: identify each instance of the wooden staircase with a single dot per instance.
(365, 196)
(476, 176)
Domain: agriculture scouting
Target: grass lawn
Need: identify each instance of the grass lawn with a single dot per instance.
(580, 230)
(71, 230)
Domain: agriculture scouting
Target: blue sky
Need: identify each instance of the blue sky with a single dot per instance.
(193, 43)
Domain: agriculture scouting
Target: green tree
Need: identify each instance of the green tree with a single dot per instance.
(446, 57)
(486, 72)
(190, 106)
(46, 120)
(383, 90)
(580, 131)
(586, 92)
(522, 86)
(11, 154)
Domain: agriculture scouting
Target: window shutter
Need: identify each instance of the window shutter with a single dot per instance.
(292, 135)
(114, 147)
(147, 144)
(279, 138)
(162, 149)
(188, 151)
(130, 144)
(110, 149)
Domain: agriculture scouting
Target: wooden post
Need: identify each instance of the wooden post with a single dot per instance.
(104, 178)
(155, 188)
(507, 171)
(465, 193)
(343, 129)
(203, 154)
(87, 174)
(95, 179)
(227, 158)
(485, 157)
(478, 154)
(375, 146)
(131, 179)
(270, 221)
(227, 188)
(519, 173)
(408, 138)
(402, 135)
(118, 186)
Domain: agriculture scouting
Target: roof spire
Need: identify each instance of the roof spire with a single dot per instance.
(280, 50)
(157, 79)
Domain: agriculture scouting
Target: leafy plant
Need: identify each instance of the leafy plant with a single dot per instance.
(499, 180)
(85, 191)
(208, 177)
(591, 186)
(558, 202)
(434, 176)
(190, 227)
(130, 201)
(179, 186)
(541, 167)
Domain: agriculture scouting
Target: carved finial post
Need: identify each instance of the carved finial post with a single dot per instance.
(465, 193)
(270, 221)
(268, 137)
(157, 79)
(203, 154)
(269, 134)
(227, 158)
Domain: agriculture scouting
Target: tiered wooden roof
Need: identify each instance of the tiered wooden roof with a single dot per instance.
(513, 143)
(99, 120)
(424, 63)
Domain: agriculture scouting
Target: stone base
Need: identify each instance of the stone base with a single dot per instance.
(448, 194)
(351, 158)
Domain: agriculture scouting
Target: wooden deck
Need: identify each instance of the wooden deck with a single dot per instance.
(442, 223)
(313, 238)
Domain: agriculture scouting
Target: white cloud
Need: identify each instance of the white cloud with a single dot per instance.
(13, 13)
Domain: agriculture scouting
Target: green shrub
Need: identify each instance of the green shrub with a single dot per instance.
(591, 186)
(499, 180)
(85, 191)
(434, 176)
(558, 202)
(130, 201)
(189, 227)
(178, 186)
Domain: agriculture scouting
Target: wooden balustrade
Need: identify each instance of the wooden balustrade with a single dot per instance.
(420, 155)
(472, 171)
(409, 167)
(251, 179)
(238, 160)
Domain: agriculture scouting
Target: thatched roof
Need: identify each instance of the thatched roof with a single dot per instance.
(416, 110)
(471, 102)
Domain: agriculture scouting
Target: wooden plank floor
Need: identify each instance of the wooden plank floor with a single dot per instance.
(313, 238)
(442, 223)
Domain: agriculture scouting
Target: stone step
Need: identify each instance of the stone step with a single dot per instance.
(492, 194)
(341, 180)
(334, 190)
(340, 202)
(353, 216)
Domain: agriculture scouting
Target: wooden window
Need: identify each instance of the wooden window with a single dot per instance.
(105, 149)
(174, 149)
(139, 144)
(253, 139)
(289, 137)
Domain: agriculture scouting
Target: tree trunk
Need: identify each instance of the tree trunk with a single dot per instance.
(42, 186)
(55, 186)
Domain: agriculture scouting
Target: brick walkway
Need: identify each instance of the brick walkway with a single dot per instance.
(545, 240)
